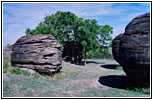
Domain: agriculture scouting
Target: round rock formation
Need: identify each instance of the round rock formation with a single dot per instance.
(41, 53)
(134, 50)
(116, 46)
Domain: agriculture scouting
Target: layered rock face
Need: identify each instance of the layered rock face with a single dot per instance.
(134, 50)
(116, 46)
(41, 53)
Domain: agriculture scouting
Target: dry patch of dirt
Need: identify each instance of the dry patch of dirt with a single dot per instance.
(5, 77)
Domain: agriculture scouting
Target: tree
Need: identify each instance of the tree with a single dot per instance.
(87, 32)
(67, 27)
(104, 35)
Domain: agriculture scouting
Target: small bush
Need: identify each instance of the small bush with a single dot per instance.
(146, 91)
(26, 73)
(143, 90)
(118, 67)
(4, 70)
(15, 70)
(60, 75)
(18, 71)
(36, 75)
(8, 46)
(6, 64)
(5, 67)
(90, 54)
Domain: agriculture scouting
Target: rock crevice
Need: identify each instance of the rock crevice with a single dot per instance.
(132, 50)
(38, 52)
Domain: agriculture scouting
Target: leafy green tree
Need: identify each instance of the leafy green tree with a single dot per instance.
(87, 35)
(104, 35)
(67, 27)
(61, 25)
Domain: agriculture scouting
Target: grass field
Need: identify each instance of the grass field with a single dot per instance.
(98, 78)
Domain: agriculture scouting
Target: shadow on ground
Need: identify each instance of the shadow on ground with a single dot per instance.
(111, 66)
(95, 62)
(114, 81)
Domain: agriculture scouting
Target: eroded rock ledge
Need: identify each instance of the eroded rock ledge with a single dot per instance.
(38, 52)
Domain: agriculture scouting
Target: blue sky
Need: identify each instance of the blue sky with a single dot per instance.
(17, 17)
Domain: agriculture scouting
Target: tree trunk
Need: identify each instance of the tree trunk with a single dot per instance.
(85, 57)
(73, 54)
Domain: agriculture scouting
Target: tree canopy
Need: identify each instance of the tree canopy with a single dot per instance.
(67, 27)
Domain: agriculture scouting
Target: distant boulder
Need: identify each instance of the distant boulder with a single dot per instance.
(41, 53)
(134, 50)
(7, 51)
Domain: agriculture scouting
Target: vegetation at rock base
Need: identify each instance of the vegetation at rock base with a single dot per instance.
(26, 73)
(15, 70)
(73, 81)
(60, 75)
(142, 90)
(7, 67)
(67, 27)
(71, 78)
(36, 75)
(6, 64)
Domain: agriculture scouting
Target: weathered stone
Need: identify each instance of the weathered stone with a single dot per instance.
(28, 70)
(134, 50)
(41, 53)
(116, 46)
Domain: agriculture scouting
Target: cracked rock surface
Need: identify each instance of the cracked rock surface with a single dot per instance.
(41, 53)
(116, 46)
(132, 50)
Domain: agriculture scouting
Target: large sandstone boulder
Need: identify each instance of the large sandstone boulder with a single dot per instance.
(134, 50)
(41, 53)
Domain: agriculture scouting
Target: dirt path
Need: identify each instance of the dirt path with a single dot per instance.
(93, 73)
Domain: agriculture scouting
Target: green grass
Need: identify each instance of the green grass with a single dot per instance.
(6, 64)
(118, 67)
(72, 81)
(26, 73)
(7, 67)
(15, 70)
(60, 75)
(36, 75)
(142, 90)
